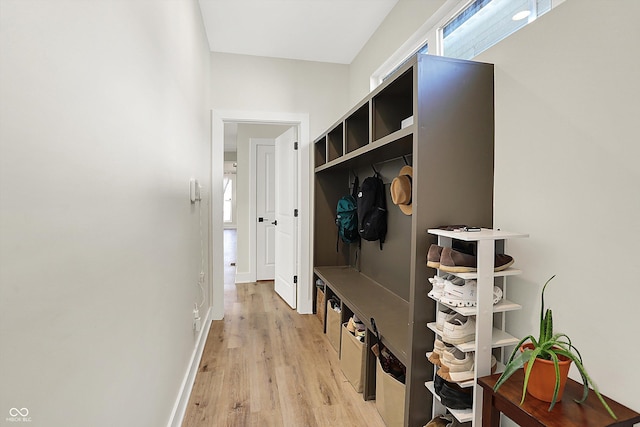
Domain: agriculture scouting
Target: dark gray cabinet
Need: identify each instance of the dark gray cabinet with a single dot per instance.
(436, 114)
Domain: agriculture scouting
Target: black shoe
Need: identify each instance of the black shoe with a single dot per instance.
(455, 397)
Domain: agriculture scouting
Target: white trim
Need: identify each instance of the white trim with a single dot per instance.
(244, 278)
(426, 32)
(305, 189)
(180, 406)
(253, 142)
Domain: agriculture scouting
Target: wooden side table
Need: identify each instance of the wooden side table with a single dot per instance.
(535, 413)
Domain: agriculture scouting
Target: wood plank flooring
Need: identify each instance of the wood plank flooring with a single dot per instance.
(265, 365)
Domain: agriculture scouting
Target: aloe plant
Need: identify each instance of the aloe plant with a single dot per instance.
(549, 346)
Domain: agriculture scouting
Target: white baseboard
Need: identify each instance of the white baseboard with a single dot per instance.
(243, 278)
(180, 407)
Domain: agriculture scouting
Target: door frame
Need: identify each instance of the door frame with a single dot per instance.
(253, 232)
(305, 220)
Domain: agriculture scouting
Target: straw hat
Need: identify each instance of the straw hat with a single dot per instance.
(401, 190)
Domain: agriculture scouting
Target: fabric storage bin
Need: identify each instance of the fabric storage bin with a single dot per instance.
(389, 398)
(352, 354)
(334, 325)
(320, 304)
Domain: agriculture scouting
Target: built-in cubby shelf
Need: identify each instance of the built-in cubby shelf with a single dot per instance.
(335, 143)
(393, 105)
(425, 114)
(321, 151)
(357, 129)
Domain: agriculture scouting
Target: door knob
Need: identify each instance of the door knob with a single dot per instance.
(275, 222)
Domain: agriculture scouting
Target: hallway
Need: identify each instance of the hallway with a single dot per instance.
(266, 365)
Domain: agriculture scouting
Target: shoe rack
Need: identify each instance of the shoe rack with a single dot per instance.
(433, 113)
(490, 318)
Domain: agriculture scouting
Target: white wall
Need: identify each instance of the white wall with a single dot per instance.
(403, 21)
(104, 118)
(567, 171)
(253, 83)
(258, 84)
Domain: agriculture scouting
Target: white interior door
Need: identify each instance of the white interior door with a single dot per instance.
(286, 228)
(265, 211)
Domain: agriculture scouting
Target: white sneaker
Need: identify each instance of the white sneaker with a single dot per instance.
(444, 316)
(462, 376)
(459, 330)
(438, 283)
(457, 361)
(438, 349)
(465, 295)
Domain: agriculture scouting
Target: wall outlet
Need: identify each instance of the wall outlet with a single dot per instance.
(197, 323)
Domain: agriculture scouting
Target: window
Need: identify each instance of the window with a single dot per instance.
(423, 49)
(484, 23)
(463, 30)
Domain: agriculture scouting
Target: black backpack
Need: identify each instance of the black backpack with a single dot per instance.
(372, 210)
(347, 217)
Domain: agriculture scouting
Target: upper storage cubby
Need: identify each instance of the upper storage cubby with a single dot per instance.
(357, 128)
(321, 151)
(335, 143)
(393, 104)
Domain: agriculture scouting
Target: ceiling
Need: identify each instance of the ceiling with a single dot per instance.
(311, 30)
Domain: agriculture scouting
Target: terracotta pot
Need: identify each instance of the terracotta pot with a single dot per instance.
(543, 377)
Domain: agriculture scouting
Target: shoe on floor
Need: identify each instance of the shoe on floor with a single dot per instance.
(459, 330)
(457, 262)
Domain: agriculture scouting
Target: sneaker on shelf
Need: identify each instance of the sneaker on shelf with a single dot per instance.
(457, 262)
(438, 283)
(460, 295)
(443, 316)
(454, 360)
(437, 287)
(459, 330)
(462, 376)
(465, 295)
(438, 348)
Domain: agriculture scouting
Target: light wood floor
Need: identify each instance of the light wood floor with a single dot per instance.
(266, 365)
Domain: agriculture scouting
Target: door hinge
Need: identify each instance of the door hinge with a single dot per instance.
(295, 212)
(295, 279)
(295, 145)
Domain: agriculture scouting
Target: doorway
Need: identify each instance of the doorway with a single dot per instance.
(300, 122)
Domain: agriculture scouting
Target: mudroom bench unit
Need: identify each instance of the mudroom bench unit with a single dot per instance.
(435, 115)
(368, 299)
